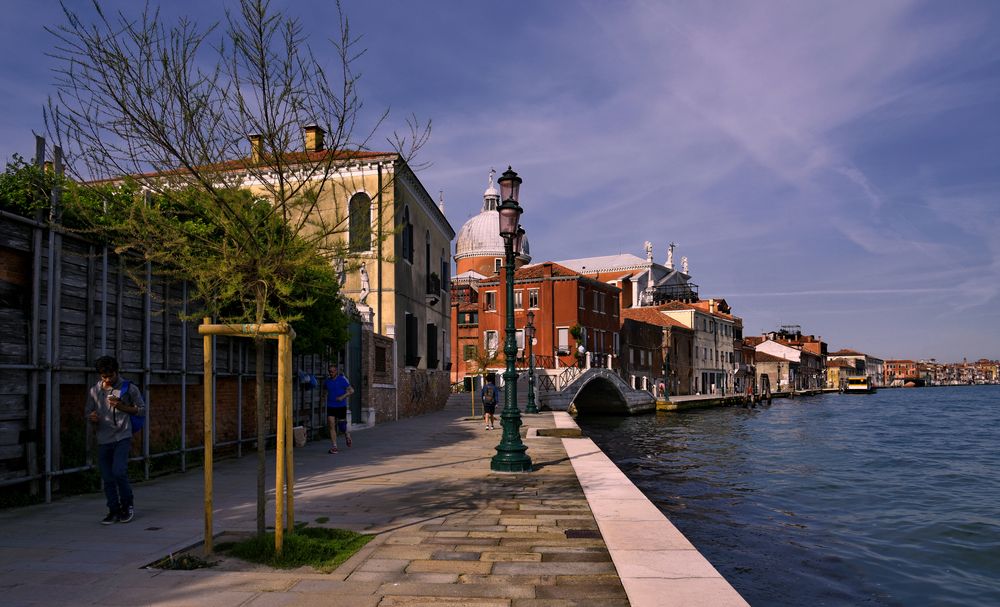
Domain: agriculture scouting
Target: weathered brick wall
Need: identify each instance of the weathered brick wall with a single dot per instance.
(422, 391)
(383, 401)
(165, 412)
(378, 393)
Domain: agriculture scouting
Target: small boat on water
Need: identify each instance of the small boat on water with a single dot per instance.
(859, 385)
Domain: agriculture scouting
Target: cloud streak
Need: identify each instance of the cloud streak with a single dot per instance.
(793, 149)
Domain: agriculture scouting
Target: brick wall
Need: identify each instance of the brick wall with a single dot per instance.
(422, 391)
(165, 421)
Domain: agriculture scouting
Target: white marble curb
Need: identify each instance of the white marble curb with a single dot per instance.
(658, 566)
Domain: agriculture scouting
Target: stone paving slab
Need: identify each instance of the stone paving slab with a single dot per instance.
(424, 485)
(449, 531)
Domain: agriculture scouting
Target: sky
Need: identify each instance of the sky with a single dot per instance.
(832, 165)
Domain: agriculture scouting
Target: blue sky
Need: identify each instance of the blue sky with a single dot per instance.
(834, 165)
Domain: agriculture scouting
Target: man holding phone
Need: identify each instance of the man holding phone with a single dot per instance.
(110, 411)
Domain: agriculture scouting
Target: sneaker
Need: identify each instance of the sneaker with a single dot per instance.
(110, 519)
(348, 437)
(127, 515)
(332, 450)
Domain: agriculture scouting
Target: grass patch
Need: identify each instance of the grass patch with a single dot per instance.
(183, 562)
(322, 520)
(321, 548)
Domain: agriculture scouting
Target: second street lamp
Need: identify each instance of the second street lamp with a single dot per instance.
(529, 336)
(511, 452)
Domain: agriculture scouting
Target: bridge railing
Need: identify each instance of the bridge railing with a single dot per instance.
(541, 362)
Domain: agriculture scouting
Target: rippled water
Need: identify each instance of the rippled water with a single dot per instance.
(884, 499)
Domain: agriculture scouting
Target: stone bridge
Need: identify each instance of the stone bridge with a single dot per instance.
(599, 390)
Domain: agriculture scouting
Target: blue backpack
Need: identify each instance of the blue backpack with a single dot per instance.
(138, 421)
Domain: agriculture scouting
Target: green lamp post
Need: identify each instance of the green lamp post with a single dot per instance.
(529, 336)
(511, 452)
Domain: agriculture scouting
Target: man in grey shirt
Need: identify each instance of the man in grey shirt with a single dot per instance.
(110, 410)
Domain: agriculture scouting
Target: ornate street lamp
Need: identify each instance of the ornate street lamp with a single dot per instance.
(511, 452)
(529, 336)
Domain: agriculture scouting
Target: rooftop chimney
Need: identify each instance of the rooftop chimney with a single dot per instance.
(314, 138)
(256, 141)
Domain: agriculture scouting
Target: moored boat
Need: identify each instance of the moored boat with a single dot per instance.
(859, 385)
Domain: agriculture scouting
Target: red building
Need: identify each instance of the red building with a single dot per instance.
(566, 306)
(900, 369)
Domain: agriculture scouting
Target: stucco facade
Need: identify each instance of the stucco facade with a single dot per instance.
(400, 239)
(714, 362)
(393, 243)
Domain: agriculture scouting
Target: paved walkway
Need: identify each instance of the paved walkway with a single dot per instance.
(449, 531)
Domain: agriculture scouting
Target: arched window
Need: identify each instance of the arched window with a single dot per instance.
(360, 222)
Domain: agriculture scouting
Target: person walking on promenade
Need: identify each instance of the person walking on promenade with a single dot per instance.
(110, 411)
(338, 390)
(489, 395)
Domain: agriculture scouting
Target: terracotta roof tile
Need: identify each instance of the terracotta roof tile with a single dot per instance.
(536, 271)
(839, 363)
(290, 158)
(764, 357)
(651, 316)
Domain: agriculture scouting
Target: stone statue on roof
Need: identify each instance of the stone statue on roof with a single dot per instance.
(341, 272)
(365, 287)
(670, 256)
(684, 265)
(649, 251)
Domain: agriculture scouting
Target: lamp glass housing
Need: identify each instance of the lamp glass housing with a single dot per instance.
(510, 185)
(509, 216)
(518, 239)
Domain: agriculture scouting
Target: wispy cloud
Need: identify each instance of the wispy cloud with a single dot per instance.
(793, 149)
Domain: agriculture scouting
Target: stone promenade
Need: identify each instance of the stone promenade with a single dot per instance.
(448, 531)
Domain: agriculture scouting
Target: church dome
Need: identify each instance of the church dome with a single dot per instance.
(480, 235)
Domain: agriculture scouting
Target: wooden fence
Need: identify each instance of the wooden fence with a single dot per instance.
(64, 302)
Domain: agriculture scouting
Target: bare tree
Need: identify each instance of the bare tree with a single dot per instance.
(174, 108)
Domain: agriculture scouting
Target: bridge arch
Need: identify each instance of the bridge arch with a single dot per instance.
(600, 391)
(600, 395)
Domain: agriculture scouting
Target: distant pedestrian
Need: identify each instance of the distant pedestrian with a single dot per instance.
(110, 411)
(489, 395)
(338, 390)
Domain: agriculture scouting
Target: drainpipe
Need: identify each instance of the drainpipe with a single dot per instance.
(381, 322)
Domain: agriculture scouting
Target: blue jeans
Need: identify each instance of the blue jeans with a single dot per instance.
(112, 459)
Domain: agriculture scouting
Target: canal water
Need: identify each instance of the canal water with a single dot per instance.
(884, 499)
